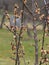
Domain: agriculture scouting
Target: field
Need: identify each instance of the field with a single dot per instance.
(6, 52)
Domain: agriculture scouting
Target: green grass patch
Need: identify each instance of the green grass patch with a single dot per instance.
(6, 52)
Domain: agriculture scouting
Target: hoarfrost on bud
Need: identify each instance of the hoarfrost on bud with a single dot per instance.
(25, 1)
(14, 36)
(47, 59)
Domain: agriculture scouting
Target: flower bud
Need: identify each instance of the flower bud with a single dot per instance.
(25, 1)
(47, 59)
(14, 36)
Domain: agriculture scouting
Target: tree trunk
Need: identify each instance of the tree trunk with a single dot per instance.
(35, 39)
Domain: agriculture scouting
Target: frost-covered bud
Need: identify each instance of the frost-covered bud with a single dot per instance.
(21, 11)
(16, 6)
(45, 52)
(42, 51)
(14, 36)
(8, 16)
(45, 34)
(39, 12)
(48, 21)
(47, 60)
(25, 1)
(48, 17)
(41, 16)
